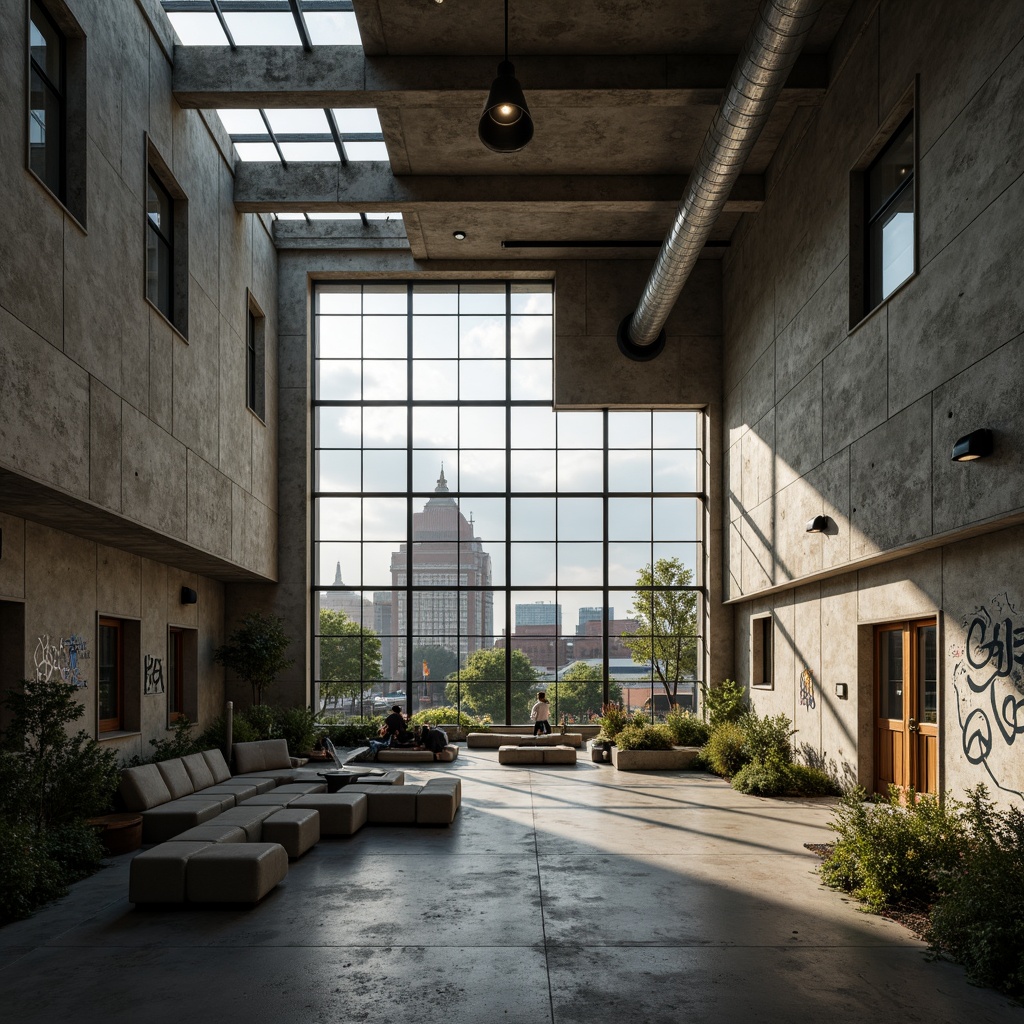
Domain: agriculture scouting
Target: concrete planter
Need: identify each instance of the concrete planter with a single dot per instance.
(653, 760)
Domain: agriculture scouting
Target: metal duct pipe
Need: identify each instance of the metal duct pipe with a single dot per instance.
(771, 50)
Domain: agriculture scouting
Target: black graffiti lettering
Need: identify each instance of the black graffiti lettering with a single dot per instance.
(977, 737)
(1009, 716)
(1000, 652)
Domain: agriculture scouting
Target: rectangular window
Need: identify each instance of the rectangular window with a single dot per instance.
(255, 364)
(110, 676)
(47, 113)
(175, 674)
(889, 216)
(761, 665)
(160, 247)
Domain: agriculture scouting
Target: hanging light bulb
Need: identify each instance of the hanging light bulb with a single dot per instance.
(505, 125)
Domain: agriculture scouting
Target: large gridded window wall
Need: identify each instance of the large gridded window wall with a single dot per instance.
(448, 492)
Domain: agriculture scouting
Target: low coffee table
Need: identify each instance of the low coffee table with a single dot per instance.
(340, 777)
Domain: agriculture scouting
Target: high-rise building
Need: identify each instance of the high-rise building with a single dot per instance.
(592, 615)
(382, 625)
(448, 562)
(352, 603)
(538, 613)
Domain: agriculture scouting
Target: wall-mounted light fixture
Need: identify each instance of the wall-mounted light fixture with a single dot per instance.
(505, 125)
(188, 596)
(975, 445)
(842, 691)
(819, 524)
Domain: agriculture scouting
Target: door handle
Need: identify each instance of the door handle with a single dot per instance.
(912, 726)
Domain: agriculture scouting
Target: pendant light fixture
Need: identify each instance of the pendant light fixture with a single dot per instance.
(506, 125)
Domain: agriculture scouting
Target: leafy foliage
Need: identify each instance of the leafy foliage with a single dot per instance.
(644, 737)
(726, 702)
(353, 731)
(181, 743)
(441, 662)
(687, 729)
(482, 685)
(255, 652)
(725, 752)
(581, 690)
(767, 737)
(350, 654)
(979, 918)
(446, 716)
(613, 721)
(666, 637)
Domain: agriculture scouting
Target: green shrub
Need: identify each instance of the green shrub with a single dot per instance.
(353, 731)
(687, 729)
(298, 727)
(724, 751)
(726, 702)
(30, 876)
(891, 854)
(637, 736)
(767, 776)
(181, 744)
(979, 918)
(613, 720)
(263, 718)
(214, 736)
(767, 737)
(449, 716)
(809, 780)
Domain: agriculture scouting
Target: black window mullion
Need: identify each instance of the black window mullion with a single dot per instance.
(508, 506)
(410, 554)
(606, 593)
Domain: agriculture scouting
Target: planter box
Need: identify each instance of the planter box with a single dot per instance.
(653, 760)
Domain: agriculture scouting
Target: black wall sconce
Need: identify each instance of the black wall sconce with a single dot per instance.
(188, 596)
(975, 445)
(819, 524)
(842, 691)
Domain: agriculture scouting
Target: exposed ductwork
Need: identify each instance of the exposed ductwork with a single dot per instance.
(771, 50)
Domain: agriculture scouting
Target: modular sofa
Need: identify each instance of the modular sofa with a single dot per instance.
(494, 740)
(400, 755)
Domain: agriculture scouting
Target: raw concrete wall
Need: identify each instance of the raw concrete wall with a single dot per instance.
(590, 300)
(143, 430)
(858, 423)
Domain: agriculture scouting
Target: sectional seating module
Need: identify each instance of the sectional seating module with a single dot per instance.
(494, 740)
(400, 755)
(536, 754)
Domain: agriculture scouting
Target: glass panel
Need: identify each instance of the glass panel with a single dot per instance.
(385, 471)
(378, 559)
(482, 337)
(481, 298)
(580, 565)
(625, 561)
(385, 428)
(675, 518)
(384, 518)
(483, 427)
(435, 380)
(629, 470)
(385, 298)
(487, 516)
(533, 471)
(676, 429)
(435, 337)
(483, 379)
(338, 380)
(629, 519)
(482, 471)
(892, 246)
(338, 470)
(339, 337)
(629, 430)
(434, 298)
(384, 379)
(892, 168)
(338, 427)
(531, 337)
(44, 127)
(338, 518)
(580, 519)
(580, 430)
(46, 44)
(927, 673)
(533, 427)
(676, 470)
(427, 467)
(532, 297)
(891, 683)
(580, 471)
(435, 427)
(337, 564)
(385, 337)
(531, 379)
(688, 556)
(533, 565)
(158, 272)
(533, 518)
(108, 671)
(339, 298)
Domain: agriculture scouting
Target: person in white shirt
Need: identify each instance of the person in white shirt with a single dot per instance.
(540, 713)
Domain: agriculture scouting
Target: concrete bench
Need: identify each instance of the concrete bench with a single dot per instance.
(401, 755)
(494, 740)
(234, 872)
(536, 755)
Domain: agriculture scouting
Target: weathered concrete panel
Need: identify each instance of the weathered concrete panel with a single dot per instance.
(295, 486)
(44, 410)
(853, 385)
(798, 430)
(839, 737)
(12, 565)
(757, 453)
(163, 341)
(153, 475)
(209, 507)
(160, 104)
(807, 654)
(964, 304)
(197, 166)
(104, 445)
(196, 380)
(831, 482)
(264, 454)
(757, 530)
(986, 394)
(119, 582)
(797, 553)
(759, 387)
(571, 298)
(235, 455)
(891, 484)
(909, 588)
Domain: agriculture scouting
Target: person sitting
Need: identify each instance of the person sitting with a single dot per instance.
(434, 740)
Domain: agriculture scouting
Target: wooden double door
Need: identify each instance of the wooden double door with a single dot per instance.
(907, 706)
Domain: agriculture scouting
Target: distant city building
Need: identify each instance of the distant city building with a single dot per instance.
(546, 650)
(445, 556)
(588, 644)
(352, 603)
(382, 625)
(592, 615)
(538, 613)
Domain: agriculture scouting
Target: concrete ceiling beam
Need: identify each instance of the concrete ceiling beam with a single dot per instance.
(371, 187)
(343, 76)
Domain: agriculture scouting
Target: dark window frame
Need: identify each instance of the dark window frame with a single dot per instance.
(255, 358)
(762, 652)
(58, 91)
(116, 722)
(175, 236)
(175, 673)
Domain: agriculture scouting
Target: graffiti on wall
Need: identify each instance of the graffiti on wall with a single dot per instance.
(60, 660)
(988, 681)
(807, 689)
(154, 682)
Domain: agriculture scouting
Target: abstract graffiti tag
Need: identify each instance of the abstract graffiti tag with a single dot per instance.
(988, 680)
(807, 689)
(154, 682)
(60, 659)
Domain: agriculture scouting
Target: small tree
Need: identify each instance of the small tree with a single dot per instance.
(255, 652)
(482, 683)
(349, 656)
(666, 637)
(581, 689)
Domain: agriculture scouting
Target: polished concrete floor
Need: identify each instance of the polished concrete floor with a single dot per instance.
(559, 895)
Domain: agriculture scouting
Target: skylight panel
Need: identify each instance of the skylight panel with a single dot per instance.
(242, 122)
(299, 151)
(366, 151)
(195, 28)
(383, 216)
(295, 121)
(334, 216)
(292, 216)
(257, 151)
(333, 28)
(357, 119)
(273, 29)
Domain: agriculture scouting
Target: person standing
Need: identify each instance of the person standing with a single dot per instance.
(540, 713)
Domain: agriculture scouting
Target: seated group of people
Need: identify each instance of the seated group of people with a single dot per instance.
(396, 734)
